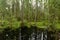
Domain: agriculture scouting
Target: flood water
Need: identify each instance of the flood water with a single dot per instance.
(25, 33)
(35, 33)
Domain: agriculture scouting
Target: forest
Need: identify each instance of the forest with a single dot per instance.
(43, 14)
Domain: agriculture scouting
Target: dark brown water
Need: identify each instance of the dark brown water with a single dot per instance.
(25, 33)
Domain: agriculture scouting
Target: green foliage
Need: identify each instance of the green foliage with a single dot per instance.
(11, 15)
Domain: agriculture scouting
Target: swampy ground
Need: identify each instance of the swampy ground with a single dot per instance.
(29, 19)
(29, 33)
